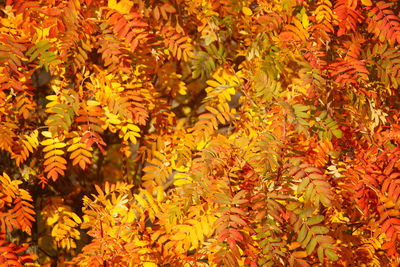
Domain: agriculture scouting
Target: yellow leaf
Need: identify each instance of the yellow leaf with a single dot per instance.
(74, 147)
(231, 91)
(47, 134)
(131, 216)
(112, 3)
(141, 243)
(133, 127)
(305, 21)
(204, 225)
(221, 118)
(93, 103)
(182, 89)
(53, 153)
(247, 11)
(51, 97)
(59, 145)
(199, 231)
(225, 94)
(202, 144)
(149, 264)
(53, 219)
(179, 236)
(123, 6)
(48, 148)
(366, 2)
(212, 110)
(47, 142)
(160, 193)
(179, 182)
(114, 120)
(115, 85)
(212, 83)
(193, 238)
(141, 201)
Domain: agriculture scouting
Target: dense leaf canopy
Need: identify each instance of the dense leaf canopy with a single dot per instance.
(199, 133)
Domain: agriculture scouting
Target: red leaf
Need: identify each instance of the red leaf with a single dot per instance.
(237, 219)
(387, 245)
(236, 234)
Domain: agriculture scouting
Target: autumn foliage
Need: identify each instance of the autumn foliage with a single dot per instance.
(199, 133)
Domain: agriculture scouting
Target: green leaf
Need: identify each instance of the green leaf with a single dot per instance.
(323, 115)
(15, 59)
(307, 239)
(311, 246)
(319, 230)
(324, 240)
(307, 212)
(30, 50)
(222, 198)
(292, 206)
(43, 45)
(310, 192)
(338, 133)
(316, 176)
(315, 219)
(320, 252)
(303, 184)
(325, 200)
(302, 233)
(34, 56)
(331, 254)
(300, 108)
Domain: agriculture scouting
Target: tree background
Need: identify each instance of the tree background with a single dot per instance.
(199, 133)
